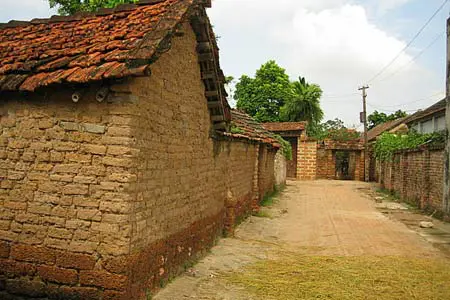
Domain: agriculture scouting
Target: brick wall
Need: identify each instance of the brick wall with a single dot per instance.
(109, 200)
(416, 176)
(326, 163)
(306, 159)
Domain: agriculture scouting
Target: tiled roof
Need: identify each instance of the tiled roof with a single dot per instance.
(111, 43)
(285, 126)
(438, 107)
(379, 129)
(248, 128)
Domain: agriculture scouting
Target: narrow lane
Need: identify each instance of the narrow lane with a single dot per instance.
(310, 219)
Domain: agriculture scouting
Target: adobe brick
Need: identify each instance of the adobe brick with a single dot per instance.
(75, 261)
(77, 293)
(58, 275)
(5, 247)
(12, 268)
(25, 287)
(103, 279)
(115, 295)
(33, 254)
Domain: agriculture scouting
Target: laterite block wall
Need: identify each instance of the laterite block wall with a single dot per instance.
(109, 200)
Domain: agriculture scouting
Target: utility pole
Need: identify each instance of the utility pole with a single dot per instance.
(366, 141)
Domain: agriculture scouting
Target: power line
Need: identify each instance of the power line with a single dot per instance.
(414, 101)
(415, 57)
(410, 42)
(385, 110)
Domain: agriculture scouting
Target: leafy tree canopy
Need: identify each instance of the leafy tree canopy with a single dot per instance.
(304, 105)
(68, 7)
(262, 96)
(332, 129)
(271, 97)
(377, 118)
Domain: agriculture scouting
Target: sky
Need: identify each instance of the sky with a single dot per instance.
(338, 44)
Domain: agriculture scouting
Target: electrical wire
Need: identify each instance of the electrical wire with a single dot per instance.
(410, 42)
(414, 101)
(434, 41)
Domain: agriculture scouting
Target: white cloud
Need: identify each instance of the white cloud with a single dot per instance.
(332, 43)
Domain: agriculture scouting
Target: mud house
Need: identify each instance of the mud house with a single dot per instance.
(116, 161)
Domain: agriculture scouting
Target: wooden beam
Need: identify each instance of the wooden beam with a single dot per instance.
(204, 47)
(211, 94)
(213, 104)
(208, 75)
(218, 118)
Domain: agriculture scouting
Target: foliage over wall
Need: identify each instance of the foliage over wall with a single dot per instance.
(388, 143)
(286, 147)
(69, 7)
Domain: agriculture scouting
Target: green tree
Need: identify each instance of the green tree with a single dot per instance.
(304, 105)
(68, 7)
(332, 129)
(263, 96)
(377, 118)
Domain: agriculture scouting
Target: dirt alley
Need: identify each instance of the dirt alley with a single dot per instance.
(320, 218)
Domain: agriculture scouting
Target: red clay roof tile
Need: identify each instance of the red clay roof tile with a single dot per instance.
(250, 129)
(85, 47)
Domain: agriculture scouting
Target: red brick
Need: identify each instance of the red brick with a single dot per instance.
(75, 261)
(103, 279)
(58, 275)
(33, 254)
(4, 249)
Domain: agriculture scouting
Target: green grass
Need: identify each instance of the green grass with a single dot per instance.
(340, 278)
(270, 198)
(262, 214)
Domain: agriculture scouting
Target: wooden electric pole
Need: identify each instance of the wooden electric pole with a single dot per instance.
(366, 141)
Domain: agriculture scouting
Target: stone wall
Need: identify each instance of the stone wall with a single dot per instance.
(417, 176)
(109, 200)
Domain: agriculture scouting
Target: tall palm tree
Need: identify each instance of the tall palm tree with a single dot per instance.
(305, 105)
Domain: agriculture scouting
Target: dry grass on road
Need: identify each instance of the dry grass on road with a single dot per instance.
(354, 277)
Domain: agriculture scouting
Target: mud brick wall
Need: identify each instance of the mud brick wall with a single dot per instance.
(110, 200)
(416, 176)
(307, 159)
(280, 169)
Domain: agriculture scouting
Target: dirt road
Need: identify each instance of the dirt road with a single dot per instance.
(310, 219)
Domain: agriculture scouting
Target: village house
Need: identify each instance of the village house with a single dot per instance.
(117, 163)
(415, 175)
(291, 132)
(429, 120)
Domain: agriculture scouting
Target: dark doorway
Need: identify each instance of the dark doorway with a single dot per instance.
(291, 165)
(345, 165)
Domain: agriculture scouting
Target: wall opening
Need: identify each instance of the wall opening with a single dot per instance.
(345, 165)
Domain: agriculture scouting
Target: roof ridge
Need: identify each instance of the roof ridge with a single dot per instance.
(80, 15)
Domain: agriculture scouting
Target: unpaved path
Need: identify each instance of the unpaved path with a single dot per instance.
(325, 218)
